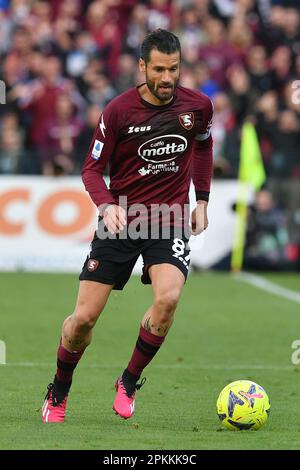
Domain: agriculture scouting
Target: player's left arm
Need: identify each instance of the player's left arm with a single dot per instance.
(202, 167)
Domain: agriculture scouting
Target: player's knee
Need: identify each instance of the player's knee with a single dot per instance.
(85, 321)
(167, 302)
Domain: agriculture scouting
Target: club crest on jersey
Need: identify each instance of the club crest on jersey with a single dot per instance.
(92, 265)
(187, 120)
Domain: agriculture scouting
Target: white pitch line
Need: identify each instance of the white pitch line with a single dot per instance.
(165, 366)
(268, 286)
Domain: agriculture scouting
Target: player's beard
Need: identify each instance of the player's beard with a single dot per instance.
(161, 93)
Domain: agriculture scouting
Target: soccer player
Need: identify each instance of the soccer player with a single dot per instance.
(155, 138)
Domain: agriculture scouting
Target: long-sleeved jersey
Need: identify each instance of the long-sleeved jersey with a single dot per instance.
(152, 151)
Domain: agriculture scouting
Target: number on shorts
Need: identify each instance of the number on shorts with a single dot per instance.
(178, 247)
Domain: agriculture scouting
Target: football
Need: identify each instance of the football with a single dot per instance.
(243, 405)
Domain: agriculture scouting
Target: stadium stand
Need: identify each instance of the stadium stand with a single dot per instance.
(63, 61)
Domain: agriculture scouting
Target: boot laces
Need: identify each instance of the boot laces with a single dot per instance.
(131, 387)
(57, 395)
(138, 386)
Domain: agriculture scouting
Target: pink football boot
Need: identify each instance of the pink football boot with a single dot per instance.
(52, 410)
(124, 401)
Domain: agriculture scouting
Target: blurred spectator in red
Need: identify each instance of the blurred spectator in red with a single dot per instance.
(67, 14)
(62, 134)
(119, 10)
(240, 37)
(38, 100)
(217, 53)
(106, 34)
(84, 139)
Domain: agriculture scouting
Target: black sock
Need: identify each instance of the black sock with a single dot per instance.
(129, 381)
(60, 390)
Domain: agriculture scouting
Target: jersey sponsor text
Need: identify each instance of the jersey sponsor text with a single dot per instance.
(157, 149)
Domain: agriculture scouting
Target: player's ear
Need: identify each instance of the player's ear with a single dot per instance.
(142, 65)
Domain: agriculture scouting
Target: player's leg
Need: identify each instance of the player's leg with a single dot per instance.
(77, 328)
(76, 336)
(167, 283)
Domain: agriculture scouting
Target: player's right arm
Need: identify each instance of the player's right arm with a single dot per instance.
(102, 147)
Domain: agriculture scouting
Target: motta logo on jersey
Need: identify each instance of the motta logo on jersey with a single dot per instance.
(163, 148)
(187, 120)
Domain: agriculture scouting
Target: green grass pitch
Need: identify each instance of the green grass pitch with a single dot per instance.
(224, 330)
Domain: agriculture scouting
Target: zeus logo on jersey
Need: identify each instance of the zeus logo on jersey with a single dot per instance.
(97, 149)
(138, 129)
(163, 148)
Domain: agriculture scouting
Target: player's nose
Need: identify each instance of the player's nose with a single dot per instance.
(166, 77)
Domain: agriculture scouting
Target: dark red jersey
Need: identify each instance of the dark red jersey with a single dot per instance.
(152, 151)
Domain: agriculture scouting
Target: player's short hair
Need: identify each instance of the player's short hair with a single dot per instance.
(162, 40)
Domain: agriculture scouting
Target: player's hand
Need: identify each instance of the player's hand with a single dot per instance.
(199, 219)
(114, 218)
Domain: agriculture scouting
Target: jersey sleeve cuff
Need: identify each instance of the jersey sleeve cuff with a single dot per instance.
(202, 195)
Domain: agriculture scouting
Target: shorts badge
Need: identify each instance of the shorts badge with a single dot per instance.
(92, 265)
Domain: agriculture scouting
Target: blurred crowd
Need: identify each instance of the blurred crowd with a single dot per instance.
(63, 60)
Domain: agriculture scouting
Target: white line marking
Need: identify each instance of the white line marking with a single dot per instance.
(2, 352)
(166, 366)
(268, 286)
